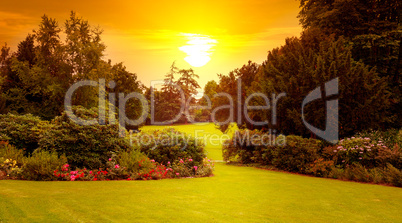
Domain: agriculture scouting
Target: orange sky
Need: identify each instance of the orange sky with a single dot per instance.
(147, 35)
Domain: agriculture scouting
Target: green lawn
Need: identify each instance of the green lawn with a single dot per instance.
(234, 194)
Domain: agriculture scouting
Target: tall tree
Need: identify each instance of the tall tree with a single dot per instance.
(296, 70)
(26, 50)
(84, 47)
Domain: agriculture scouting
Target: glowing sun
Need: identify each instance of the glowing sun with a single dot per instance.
(198, 49)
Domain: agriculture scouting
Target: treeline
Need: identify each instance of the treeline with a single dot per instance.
(36, 77)
(357, 41)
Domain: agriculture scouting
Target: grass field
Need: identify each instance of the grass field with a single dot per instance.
(234, 194)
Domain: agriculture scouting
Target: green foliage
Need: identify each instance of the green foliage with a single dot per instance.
(297, 155)
(321, 167)
(356, 158)
(84, 145)
(169, 145)
(168, 103)
(367, 152)
(379, 175)
(394, 176)
(23, 131)
(374, 31)
(391, 137)
(296, 70)
(41, 165)
(35, 79)
(241, 149)
(10, 152)
(229, 84)
(350, 17)
(134, 162)
(294, 153)
(11, 160)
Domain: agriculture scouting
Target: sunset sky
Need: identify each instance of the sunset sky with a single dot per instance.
(148, 36)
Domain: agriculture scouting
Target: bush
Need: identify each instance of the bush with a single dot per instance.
(393, 176)
(363, 151)
(10, 152)
(84, 145)
(390, 137)
(297, 155)
(321, 167)
(169, 145)
(250, 146)
(133, 162)
(11, 160)
(22, 131)
(41, 165)
(293, 153)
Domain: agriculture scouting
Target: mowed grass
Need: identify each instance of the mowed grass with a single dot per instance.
(234, 194)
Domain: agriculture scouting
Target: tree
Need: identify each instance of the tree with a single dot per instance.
(39, 74)
(350, 18)
(26, 50)
(84, 46)
(296, 70)
(169, 98)
(374, 29)
(242, 77)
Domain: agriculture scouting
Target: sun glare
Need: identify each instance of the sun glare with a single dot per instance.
(198, 49)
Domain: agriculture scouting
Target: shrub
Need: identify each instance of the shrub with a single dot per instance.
(250, 146)
(41, 165)
(8, 151)
(363, 151)
(390, 137)
(297, 155)
(169, 145)
(377, 175)
(393, 176)
(134, 162)
(291, 153)
(84, 145)
(359, 173)
(9, 168)
(22, 131)
(321, 167)
(206, 169)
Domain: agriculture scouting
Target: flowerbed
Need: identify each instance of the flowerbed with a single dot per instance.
(361, 158)
(156, 171)
(63, 150)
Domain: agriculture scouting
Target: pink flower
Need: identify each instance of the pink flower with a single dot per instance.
(169, 162)
(110, 159)
(191, 160)
(153, 161)
(177, 174)
(117, 166)
(195, 167)
(181, 161)
(90, 172)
